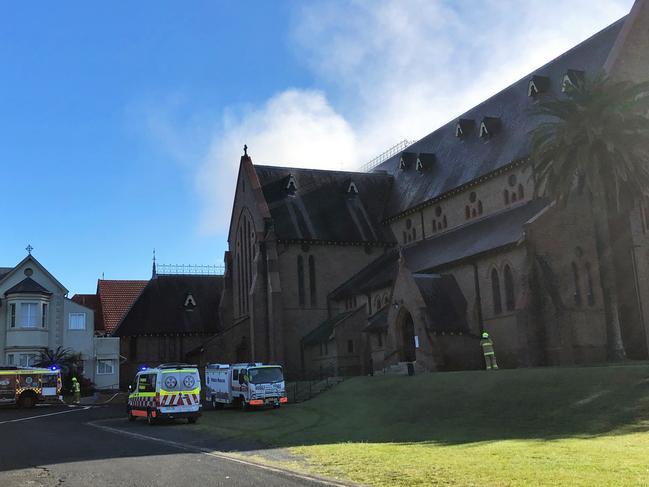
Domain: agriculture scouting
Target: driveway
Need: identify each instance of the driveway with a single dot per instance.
(96, 446)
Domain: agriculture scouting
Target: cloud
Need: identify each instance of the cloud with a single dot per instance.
(388, 70)
(296, 128)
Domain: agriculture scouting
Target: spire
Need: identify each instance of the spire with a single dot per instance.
(153, 270)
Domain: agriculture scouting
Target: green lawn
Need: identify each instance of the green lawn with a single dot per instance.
(570, 426)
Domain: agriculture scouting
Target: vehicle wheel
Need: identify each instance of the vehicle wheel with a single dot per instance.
(27, 401)
(192, 420)
(149, 418)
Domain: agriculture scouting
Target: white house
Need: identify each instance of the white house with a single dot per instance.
(36, 314)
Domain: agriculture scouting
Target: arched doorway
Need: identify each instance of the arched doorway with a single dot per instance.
(407, 338)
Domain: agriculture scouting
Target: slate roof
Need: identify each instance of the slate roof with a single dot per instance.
(115, 299)
(378, 274)
(321, 209)
(492, 232)
(160, 309)
(461, 160)
(445, 302)
(88, 300)
(323, 331)
(27, 286)
(378, 321)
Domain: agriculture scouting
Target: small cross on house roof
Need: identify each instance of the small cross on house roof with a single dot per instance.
(29, 249)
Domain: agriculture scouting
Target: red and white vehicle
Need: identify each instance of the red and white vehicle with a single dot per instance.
(243, 385)
(27, 386)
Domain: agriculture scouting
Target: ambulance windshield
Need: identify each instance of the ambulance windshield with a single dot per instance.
(266, 375)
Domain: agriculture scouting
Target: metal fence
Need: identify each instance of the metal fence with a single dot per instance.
(392, 151)
(189, 269)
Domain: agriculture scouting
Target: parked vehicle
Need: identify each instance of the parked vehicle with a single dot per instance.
(28, 386)
(243, 385)
(168, 391)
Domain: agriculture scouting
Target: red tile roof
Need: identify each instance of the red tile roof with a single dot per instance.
(115, 299)
(87, 300)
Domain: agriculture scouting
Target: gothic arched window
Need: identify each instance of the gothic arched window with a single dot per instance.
(300, 279)
(521, 192)
(495, 292)
(506, 196)
(510, 299)
(575, 276)
(591, 292)
(312, 281)
(245, 253)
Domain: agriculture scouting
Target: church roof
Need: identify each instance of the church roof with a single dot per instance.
(320, 205)
(445, 303)
(378, 321)
(465, 157)
(378, 274)
(172, 304)
(27, 286)
(489, 233)
(324, 330)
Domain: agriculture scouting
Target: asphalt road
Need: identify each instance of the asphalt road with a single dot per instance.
(55, 446)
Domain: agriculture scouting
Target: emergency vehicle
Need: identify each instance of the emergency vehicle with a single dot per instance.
(243, 385)
(168, 391)
(27, 386)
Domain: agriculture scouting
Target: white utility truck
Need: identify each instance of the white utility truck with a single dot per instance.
(243, 385)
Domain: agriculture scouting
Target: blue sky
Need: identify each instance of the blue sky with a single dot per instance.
(122, 123)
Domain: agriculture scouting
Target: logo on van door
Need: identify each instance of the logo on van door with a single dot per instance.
(189, 381)
(171, 382)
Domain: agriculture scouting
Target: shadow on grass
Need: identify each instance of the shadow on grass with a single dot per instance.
(455, 408)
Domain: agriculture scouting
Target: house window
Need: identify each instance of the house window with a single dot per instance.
(495, 291)
(105, 367)
(300, 279)
(10, 359)
(312, 281)
(77, 321)
(510, 299)
(12, 313)
(575, 276)
(27, 359)
(591, 293)
(28, 315)
(44, 316)
(350, 346)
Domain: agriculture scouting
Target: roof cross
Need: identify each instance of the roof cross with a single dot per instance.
(29, 249)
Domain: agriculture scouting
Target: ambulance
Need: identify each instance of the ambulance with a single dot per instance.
(27, 386)
(168, 391)
(244, 385)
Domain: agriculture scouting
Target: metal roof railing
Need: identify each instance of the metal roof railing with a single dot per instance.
(189, 270)
(381, 158)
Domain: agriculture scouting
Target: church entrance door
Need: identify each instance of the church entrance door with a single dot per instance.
(408, 353)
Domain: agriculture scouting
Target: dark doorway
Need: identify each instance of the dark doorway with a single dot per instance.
(407, 338)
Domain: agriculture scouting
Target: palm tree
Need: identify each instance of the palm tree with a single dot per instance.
(595, 141)
(61, 357)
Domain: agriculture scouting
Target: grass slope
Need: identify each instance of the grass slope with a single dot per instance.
(569, 426)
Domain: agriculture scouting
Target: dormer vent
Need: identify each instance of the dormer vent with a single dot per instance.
(352, 189)
(489, 127)
(424, 161)
(407, 160)
(572, 79)
(538, 85)
(291, 185)
(463, 127)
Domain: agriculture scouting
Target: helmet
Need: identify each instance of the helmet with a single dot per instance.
(485, 334)
(74, 379)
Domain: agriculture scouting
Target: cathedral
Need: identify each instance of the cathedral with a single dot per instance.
(347, 273)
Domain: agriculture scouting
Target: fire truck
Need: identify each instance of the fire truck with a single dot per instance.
(27, 386)
(244, 385)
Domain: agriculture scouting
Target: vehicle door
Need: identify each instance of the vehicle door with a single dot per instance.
(7, 388)
(49, 383)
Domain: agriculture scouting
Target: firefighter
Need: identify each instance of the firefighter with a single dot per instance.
(488, 351)
(76, 390)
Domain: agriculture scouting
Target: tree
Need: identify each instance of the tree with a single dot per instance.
(62, 357)
(595, 141)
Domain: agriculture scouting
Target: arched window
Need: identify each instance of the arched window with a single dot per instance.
(386, 300)
(575, 276)
(591, 293)
(414, 234)
(467, 212)
(245, 250)
(312, 281)
(495, 291)
(521, 192)
(434, 225)
(510, 299)
(506, 196)
(377, 303)
(405, 237)
(445, 222)
(300, 279)
(480, 207)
